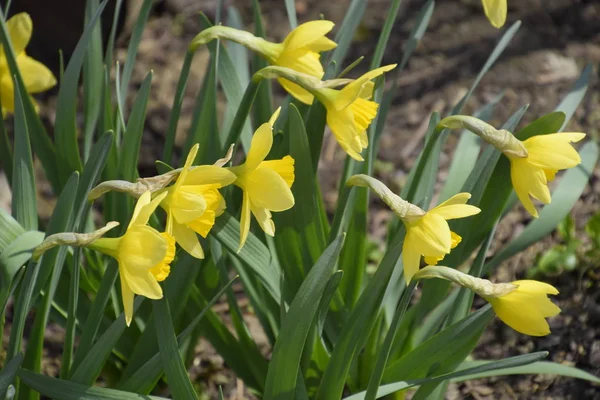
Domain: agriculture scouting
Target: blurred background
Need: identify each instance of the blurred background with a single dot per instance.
(557, 39)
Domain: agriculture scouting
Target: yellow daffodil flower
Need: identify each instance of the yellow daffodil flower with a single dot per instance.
(36, 76)
(427, 233)
(194, 201)
(523, 305)
(143, 254)
(299, 51)
(526, 308)
(546, 155)
(266, 184)
(495, 11)
(533, 162)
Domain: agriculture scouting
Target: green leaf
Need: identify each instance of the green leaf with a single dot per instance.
(8, 373)
(254, 254)
(417, 32)
(494, 365)
(540, 367)
(344, 36)
(384, 35)
(569, 104)
(24, 204)
(435, 356)
(167, 156)
(6, 153)
(564, 197)
(132, 49)
(290, 8)
(287, 353)
(132, 139)
(263, 106)
(179, 382)
(66, 390)
(15, 255)
(65, 131)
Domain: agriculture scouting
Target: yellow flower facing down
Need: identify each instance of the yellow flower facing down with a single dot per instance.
(526, 308)
(36, 76)
(523, 305)
(495, 11)
(194, 201)
(143, 254)
(546, 155)
(427, 233)
(299, 51)
(266, 184)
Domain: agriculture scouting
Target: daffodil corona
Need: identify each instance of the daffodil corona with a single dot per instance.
(533, 162)
(266, 184)
(299, 51)
(143, 254)
(194, 201)
(36, 76)
(427, 233)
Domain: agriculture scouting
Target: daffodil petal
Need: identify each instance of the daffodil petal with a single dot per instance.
(127, 295)
(343, 127)
(187, 206)
(7, 94)
(209, 175)
(269, 190)
(263, 216)
(495, 11)
(186, 167)
(244, 220)
(143, 283)
(188, 240)
(296, 91)
(525, 312)
(411, 258)
(554, 151)
(353, 90)
(141, 248)
(430, 235)
(524, 176)
(459, 198)
(145, 207)
(259, 147)
(36, 76)
(454, 211)
(535, 286)
(19, 29)
(284, 168)
(322, 44)
(307, 33)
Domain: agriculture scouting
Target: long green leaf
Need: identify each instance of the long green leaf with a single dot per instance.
(8, 373)
(285, 363)
(24, 204)
(65, 131)
(344, 36)
(66, 390)
(179, 381)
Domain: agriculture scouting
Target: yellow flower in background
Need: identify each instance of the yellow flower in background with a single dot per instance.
(495, 11)
(266, 184)
(546, 155)
(299, 51)
(351, 110)
(526, 308)
(430, 236)
(194, 201)
(143, 254)
(36, 76)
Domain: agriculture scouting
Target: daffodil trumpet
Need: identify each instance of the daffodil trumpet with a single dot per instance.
(299, 51)
(428, 234)
(523, 305)
(533, 162)
(350, 110)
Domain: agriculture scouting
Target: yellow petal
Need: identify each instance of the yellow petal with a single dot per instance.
(460, 198)
(186, 167)
(141, 248)
(259, 147)
(550, 174)
(353, 90)
(411, 258)
(430, 235)
(263, 216)
(145, 207)
(7, 94)
(186, 206)
(204, 224)
(495, 11)
(322, 44)
(528, 179)
(244, 220)
(19, 29)
(36, 76)
(127, 295)
(532, 286)
(296, 91)
(554, 151)
(343, 127)
(307, 33)
(304, 61)
(188, 240)
(143, 283)
(209, 175)
(269, 190)
(456, 239)
(455, 211)
(283, 167)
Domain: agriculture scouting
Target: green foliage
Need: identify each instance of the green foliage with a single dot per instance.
(338, 316)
